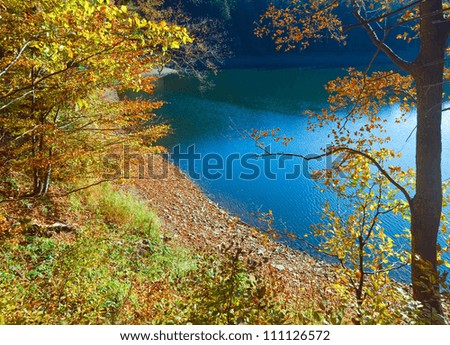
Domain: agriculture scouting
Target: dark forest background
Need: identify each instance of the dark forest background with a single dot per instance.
(239, 18)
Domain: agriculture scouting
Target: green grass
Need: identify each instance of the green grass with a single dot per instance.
(115, 268)
(92, 277)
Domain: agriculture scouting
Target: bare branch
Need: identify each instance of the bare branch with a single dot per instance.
(389, 269)
(86, 187)
(15, 59)
(386, 15)
(16, 99)
(26, 132)
(407, 66)
(352, 151)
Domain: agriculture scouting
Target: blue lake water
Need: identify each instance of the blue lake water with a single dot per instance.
(216, 121)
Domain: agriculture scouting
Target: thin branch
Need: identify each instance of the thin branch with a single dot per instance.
(403, 22)
(375, 216)
(407, 66)
(26, 132)
(413, 19)
(389, 269)
(386, 15)
(86, 187)
(410, 134)
(352, 151)
(386, 270)
(366, 71)
(69, 66)
(15, 59)
(30, 196)
(16, 99)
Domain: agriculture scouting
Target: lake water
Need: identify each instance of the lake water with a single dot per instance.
(217, 119)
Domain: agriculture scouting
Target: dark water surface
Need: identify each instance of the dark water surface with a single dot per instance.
(216, 120)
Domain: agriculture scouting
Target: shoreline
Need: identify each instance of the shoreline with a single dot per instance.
(189, 218)
(192, 220)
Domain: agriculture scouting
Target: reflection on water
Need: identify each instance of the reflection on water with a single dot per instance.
(218, 119)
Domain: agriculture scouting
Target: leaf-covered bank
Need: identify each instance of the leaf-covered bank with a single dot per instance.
(111, 261)
(158, 251)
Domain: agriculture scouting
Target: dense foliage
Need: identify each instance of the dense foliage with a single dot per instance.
(57, 61)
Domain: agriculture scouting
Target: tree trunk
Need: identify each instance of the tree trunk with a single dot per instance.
(426, 205)
(41, 180)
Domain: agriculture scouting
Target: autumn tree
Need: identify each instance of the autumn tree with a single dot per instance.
(60, 61)
(209, 48)
(417, 83)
